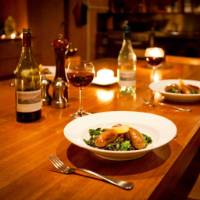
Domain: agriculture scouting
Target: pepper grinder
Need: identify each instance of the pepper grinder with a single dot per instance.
(59, 100)
(60, 85)
(46, 98)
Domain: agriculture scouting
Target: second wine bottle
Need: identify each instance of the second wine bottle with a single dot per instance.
(127, 63)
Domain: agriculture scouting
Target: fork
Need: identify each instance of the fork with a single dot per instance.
(151, 103)
(61, 167)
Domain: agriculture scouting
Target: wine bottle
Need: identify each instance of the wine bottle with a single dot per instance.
(127, 63)
(27, 83)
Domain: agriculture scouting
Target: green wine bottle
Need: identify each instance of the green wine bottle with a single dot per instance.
(27, 84)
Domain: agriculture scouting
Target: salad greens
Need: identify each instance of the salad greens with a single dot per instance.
(121, 143)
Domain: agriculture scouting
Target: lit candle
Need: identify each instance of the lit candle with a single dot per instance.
(104, 75)
(13, 36)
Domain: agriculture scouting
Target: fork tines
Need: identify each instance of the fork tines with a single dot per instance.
(58, 164)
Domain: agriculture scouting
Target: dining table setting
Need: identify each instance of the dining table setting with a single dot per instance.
(70, 152)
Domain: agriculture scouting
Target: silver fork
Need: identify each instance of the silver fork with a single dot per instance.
(61, 167)
(151, 103)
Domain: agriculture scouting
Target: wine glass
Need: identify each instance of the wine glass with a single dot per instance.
(80, 74)
(154, 57)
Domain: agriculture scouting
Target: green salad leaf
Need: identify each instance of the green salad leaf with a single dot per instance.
(147, 139)
(95, 131)
(126, 145)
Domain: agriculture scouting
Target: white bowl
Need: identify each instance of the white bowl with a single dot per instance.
(161, 85)
(159, 128)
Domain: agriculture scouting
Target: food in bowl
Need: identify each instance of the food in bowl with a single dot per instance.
(118, 138)
(44, 70)
(182, 88)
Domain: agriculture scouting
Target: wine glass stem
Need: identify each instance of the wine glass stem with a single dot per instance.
(153, 77)
(80, 100)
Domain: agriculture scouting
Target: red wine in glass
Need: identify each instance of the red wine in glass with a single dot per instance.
(154, 57)
(80, 79)
(80, 74)
(154, 61)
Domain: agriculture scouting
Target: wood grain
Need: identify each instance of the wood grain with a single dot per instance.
(26, 173)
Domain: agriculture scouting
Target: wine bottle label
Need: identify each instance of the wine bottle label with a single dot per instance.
(127, 78)
(28, 101)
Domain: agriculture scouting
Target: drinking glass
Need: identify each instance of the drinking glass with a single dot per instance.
(80, 74)
(154, 57)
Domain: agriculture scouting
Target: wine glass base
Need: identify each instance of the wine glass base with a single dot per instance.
(80, 113)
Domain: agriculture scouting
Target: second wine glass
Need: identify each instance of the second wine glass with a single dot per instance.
(154, 57)
(80, 74)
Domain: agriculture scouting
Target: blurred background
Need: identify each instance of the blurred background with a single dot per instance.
(93, 27)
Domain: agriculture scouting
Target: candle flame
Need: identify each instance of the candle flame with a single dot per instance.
(13, 36)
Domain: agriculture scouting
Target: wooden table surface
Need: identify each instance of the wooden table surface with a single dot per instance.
(26, 173)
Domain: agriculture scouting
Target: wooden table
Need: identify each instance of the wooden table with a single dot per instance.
(26, 173)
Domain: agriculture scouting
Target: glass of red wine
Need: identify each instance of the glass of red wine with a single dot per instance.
(154, 57)
(80, 74)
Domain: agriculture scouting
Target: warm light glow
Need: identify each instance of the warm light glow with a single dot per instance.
(21, 35)
(154, 52)
(3, 36)
(104, 95)
(157, 96)
(156, 75)
(105, 75)
(13, 36)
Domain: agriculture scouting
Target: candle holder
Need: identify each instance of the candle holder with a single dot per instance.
(105, 77)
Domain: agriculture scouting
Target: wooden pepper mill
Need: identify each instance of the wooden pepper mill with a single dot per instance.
(60, 85)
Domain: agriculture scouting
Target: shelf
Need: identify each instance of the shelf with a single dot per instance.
(172, 30)
(154, 6)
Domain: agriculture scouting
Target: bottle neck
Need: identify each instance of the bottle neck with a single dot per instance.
(26, 53)
(26, 41)
(126, 41)
(26, 49)
(127, 38)
(27, 59)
